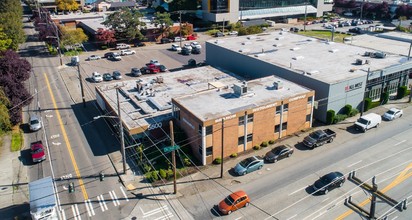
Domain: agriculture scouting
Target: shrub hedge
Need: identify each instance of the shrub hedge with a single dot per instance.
(401, 92)
(217, 160)
(330, 116)
(367, 104)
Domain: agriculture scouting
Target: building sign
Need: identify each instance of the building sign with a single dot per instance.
(154, 126)
(352, 87)
(225, 118)
(297, 98)
(264, 107)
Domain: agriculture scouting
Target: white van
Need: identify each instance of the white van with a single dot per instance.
(368, 121)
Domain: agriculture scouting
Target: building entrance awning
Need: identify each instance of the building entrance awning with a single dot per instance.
(276, 12)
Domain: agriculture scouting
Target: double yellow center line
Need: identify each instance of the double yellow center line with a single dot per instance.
(66, 140)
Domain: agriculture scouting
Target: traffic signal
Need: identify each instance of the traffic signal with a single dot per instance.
(71, 187)
(101, 175)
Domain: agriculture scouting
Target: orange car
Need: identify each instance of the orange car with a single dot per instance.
(234, 202)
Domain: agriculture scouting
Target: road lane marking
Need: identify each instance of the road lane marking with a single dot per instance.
(78, 213)
(398, 180)
(103, 201)
(111, 196)
(291, 217)
(399, 143)
(115, 197)
(124, 194)
(56, 143)
(100, 203)
(49, 116)
(350, 165)
(54, 136)
(91, 207)
(154, 211)
(325, 200)
(66, 140)
(63, 214)
(74, 212)
(88, 208)
(297, 190)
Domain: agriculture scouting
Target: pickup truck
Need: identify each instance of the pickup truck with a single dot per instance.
(37, 152)
(319, 137)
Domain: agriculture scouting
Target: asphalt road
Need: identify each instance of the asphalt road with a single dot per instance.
(283, 190)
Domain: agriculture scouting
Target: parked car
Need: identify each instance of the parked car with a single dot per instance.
(122, 46)
(178, 39)
(135, 72)
(233, 202)
(185, 51)
(196, 50)
(150, 69)
(165, 40)
(195, 44)
(355, 30)
(392, 113)
(127, 52)
(328, 182)
(107, 77)
(34, 123)
(108, 55)
(139, 44)
(162, 68)
(176, 47)
(319, 138)
(37, 152)
(294, 29)
(94, 57)
(278, 153)
(117, 75)
(155, 62)
(191, 37)
(97, 77)
(248, 165)
(219, 34)
(116, 57)
(188, 46)
(233, 33)
(366, 122)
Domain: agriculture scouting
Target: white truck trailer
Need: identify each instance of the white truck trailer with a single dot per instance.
(43, 203)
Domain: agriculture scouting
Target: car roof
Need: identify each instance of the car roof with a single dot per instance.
(333, 175)
(34, 117)
(394, 109)
(238, 194)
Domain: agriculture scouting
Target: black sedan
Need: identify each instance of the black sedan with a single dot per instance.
(278, 153)
(328, 182)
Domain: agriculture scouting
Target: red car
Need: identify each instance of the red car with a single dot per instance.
(234, 202)
(37, 152)
(191, 37)
(150, 69)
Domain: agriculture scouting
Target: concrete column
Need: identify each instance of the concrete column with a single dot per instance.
(204, 146)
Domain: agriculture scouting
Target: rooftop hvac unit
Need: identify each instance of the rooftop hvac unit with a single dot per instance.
(367, 54)
(278, 85)
(360, 62)
(380, 55)
(240, 89)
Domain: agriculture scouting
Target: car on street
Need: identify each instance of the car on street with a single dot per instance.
(233, 202)
(34, 123)
(97, 77)
(249, 165)
(122, 46)
(185, 51)
(135, 72)
(329, 182)
(116, 75)
(37, 152)
(107, 77)
(278, 153)
(392, 113)
(176, 47)
(94, 57)
(196, 50)
(319, 138)
(127, 52)
(195, 44)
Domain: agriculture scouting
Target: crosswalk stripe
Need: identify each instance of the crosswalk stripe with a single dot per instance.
(78, 213)
(74, 212)
(63, 214)
(104, 202)
(115, 197)
(124, 194)
(111, 196)
(88, 208)
(101, 204)
(89, 202)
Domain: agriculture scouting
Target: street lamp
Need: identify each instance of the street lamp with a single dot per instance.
(121, 129)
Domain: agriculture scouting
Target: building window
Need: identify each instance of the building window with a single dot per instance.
(249, 137)
(308, 117)
(285, 107)
(310, 100)
(209, 151)
(241, 140)
(284, 126)
(219, 6)
(209, 129)
(250, 118)
(277, 128)
(200, 129)
(241, 120)
(278, 109)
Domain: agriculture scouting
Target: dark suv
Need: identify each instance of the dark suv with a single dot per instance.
(136, 72)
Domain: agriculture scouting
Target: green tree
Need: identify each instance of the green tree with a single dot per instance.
(162, 21)
(71, 37)
(67, 5)
(11, 22)
(186, 5)
(5, 124)
(5, 42)
(126, 23)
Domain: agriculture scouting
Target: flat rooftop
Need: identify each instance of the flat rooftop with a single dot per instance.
(217, 103)
(325, 61)
(390, 42)
(152, 101)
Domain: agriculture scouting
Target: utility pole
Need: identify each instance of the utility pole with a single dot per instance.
(361, 9)
(221, 164)
(172, 138)
(81, 84)
(119, 112)
(306, 11)
(373, 201)
(180, 27)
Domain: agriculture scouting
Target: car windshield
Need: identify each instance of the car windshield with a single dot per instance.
(277, 150)
(328, 178)
(34, 121)
(363, 121)
(315, 135)
(229, 200)
(38, 150)
(246, 162)
(390, 112)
